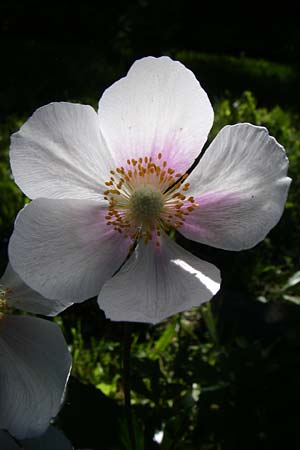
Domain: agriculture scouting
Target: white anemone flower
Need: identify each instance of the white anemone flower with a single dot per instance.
(35, 362)
(107, 187)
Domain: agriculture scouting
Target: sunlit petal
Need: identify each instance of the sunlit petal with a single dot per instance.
(158, 107)
(71, 250)
(157, 282)
(59, 153)
(240, 186)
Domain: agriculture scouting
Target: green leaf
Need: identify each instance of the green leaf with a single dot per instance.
(210, 321)
(292, 281)
(292, 298)
(162, 343)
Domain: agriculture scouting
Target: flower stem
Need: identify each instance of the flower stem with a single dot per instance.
(126, 383)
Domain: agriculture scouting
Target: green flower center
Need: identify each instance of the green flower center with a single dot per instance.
(146, 204)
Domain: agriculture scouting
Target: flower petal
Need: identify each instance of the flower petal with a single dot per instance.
(53, 439)
(158, 107)
(59, 152)
(241, 187)
(19, 295)
(72, 252)
(7, 442)
(158, 282)
(34, 369)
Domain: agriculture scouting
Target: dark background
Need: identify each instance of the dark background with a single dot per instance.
(53, 51)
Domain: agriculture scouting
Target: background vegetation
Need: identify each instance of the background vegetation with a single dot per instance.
(224, 376)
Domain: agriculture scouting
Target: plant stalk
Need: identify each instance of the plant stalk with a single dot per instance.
(127, 384)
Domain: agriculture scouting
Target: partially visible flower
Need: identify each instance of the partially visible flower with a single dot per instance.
(35, 363)
(112, 184)
(18, 295)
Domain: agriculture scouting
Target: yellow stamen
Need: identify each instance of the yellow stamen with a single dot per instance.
(145, 198)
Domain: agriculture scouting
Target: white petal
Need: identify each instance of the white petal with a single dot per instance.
(19, 295)
(158, 282)
(158, 107)
(34, 368)
(241, 187)
(64, 249)
(59, 152)
(53, 439)
(7, 442)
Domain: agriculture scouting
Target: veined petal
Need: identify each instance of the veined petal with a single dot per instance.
(159, 107)
(59, 153)
(19, 295)
(34, 369)
(241, 187)
(52, 439)
(72, 252)
(158, 282)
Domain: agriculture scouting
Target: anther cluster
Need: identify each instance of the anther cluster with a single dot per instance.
(146, 197)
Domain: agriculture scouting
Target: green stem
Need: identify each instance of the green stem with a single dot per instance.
(126, 382)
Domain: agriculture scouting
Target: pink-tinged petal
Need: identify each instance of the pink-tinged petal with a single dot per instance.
(64, 249)
(158, 282)
(19, 295)
(34, 369)
(158, 107)
(59, 153)
(53, 439)
(241, 187)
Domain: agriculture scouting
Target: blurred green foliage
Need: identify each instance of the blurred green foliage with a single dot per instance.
(12, 199)
(269, 80)
(221, 377)
(277, 257)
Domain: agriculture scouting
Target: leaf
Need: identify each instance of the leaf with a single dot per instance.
(210, 321)
(292, 298)
(162, 343)
(292, 281)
